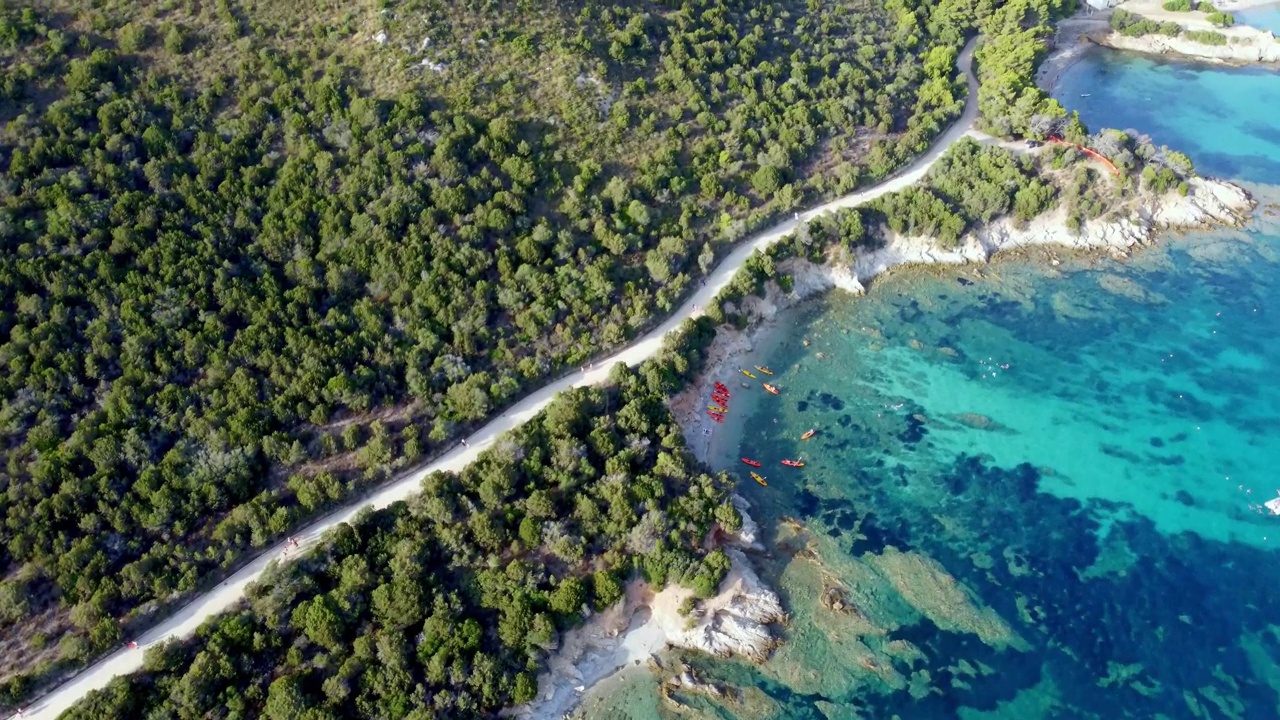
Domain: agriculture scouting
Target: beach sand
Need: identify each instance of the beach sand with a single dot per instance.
(1070, 43)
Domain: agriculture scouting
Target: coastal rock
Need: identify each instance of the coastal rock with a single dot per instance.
(1258, 46)
(735, 622)
(748, 535)
(1207, 202)
(689, 681)
(809, 279)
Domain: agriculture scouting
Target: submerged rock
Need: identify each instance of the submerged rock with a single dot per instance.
(689, 681)
(835, 597)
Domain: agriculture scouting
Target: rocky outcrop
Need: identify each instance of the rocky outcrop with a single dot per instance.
(1207, 202)
(749, 534)
(1256, 47)
(737, 620)
(688, 681)
(809, 279)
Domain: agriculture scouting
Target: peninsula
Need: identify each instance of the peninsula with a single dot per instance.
(1185, 28)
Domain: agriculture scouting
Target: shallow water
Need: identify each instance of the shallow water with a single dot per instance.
(1263, 17)
(1033, 489)
(1223, 118)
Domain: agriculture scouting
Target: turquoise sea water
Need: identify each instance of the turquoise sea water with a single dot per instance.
(1224, 119)
(1034, 489)
(1263, 17)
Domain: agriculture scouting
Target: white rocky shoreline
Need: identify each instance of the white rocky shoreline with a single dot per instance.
(736, 621)
(1208, 203)
(1245, 45)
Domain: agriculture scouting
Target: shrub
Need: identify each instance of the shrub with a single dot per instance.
(1206, 37)
(134, 37)
(1130, 25)
(1221, 19)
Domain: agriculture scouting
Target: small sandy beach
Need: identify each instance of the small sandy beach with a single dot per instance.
(1070, 43)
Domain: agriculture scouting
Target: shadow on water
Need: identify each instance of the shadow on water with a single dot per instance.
(1171, 617)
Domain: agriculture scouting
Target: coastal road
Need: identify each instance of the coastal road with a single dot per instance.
(229, 592)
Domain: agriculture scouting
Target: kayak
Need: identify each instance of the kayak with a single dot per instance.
(717, 417)
(716, 409)
(808, 435)
(720, 398)
(764, 370)
(793, 463)
(759, 479)
(771, 388)
(744, 372)
(721, 387)
(752, 463)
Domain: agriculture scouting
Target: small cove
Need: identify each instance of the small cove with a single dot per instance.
(1034, 485)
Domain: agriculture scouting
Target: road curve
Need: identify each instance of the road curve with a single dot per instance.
(232, 590)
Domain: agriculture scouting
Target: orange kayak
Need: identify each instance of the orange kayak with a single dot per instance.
(771, 388)
(808, 435)
(759, 479)
(793, 463)
(752, 463)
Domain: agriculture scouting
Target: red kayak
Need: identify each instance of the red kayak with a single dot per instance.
(718, 417)
(752, 463)
(721, 400)
(721, 388)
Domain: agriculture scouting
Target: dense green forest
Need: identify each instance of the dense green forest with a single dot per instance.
(257, 256)
(444, 606)
(1016, 37)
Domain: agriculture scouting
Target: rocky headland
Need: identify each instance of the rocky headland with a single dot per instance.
(1243, 45)
(736, 622)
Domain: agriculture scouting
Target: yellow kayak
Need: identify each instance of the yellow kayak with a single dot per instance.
(757, 478)
(744, 372)
(764, 370)
(716, 408)
(808, 435)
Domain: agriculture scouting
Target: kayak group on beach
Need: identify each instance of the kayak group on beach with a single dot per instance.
(719, 406)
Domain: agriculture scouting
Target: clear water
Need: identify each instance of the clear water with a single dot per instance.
(1224, 119)
(1263, 17)
(1037, 488)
